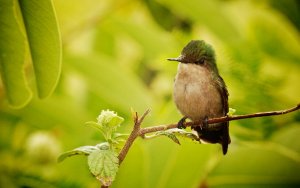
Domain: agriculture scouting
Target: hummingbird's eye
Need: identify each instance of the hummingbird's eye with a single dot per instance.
(201, 61)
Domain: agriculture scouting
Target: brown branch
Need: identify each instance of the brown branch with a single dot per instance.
(259, 114)
(138, 131)
(218, 120)
(133, 135)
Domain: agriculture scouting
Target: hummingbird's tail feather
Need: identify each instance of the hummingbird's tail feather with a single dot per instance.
(225, 138)
(220, 136)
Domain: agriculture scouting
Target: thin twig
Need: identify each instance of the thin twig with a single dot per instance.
(144, 115)
(219, 120)
(247, 116)
(133, 135)
(138, 131)
(159, 128)
(259, 114)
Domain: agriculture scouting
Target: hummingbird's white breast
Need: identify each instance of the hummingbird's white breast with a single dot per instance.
(195, 92)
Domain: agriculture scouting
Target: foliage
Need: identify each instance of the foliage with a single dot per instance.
(173, 134)
(114, 58)
(28, 30)
(102, 158)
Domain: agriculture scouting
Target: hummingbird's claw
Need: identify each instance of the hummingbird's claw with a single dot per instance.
(204, 124)
(180, 124)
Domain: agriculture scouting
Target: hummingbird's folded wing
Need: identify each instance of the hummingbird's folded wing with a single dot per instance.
(224, 94)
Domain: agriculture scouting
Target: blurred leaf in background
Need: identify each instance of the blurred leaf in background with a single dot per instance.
(29, 30)
(114, 58)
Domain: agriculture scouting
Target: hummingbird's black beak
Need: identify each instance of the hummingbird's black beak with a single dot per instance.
(179, 59)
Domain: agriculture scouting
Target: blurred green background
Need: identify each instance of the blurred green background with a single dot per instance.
(114, 57)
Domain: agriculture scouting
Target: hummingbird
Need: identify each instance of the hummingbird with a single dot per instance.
(201, 93)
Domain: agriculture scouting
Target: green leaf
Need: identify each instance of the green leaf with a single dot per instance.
(231, 112)
(115, 121)
(191, 136)
(118, 141)
(109, 118)
(170, 135)
(185, 134)
(174, 133)
(103, 146)
(107, 123)
(104, 165)
(44, 42)
(95, 125)
(33, 21)
(84, 150)
(120, 136)
(13, 54)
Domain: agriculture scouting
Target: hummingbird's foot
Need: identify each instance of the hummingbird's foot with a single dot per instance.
(180, 124)
(204, 124)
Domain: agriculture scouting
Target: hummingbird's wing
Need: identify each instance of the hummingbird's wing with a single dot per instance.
(225, 138)
(224, 93)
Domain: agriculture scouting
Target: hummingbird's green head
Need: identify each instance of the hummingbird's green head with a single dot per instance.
(197, 52)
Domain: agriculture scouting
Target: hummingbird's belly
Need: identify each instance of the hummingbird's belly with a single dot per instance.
(195, 94)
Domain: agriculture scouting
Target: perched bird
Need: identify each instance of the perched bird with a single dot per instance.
(200, 92)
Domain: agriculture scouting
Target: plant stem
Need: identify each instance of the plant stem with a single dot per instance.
(138, 131)
(133, 135)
